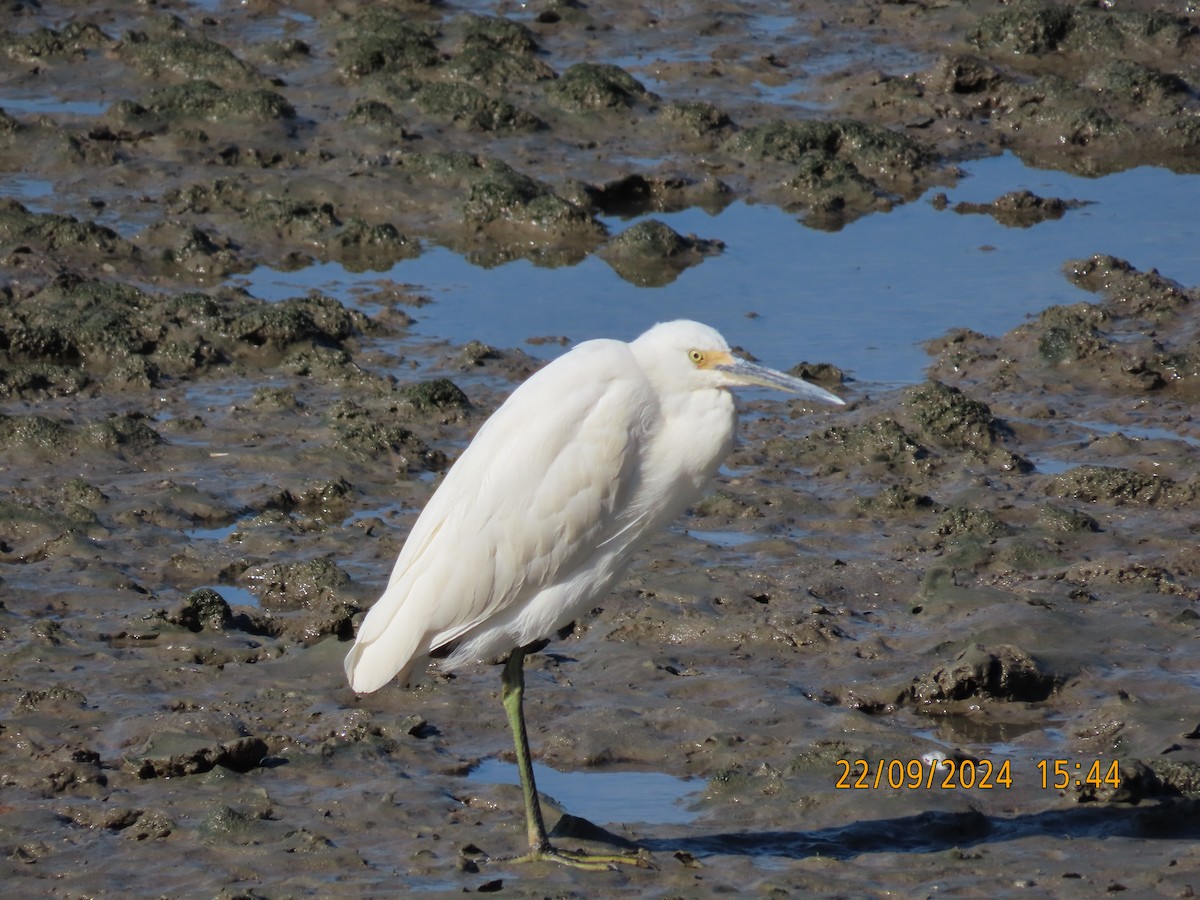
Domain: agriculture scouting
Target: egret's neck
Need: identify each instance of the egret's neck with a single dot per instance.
(694, 437)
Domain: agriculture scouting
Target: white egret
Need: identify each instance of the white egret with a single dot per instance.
(543, 511)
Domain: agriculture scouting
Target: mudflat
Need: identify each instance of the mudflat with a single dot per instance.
(952, 646)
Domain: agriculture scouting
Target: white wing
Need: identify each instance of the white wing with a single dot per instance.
(546, 481)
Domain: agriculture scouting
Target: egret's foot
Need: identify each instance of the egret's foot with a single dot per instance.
(593, 862)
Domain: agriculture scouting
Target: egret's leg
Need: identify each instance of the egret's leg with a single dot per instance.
(512, 693)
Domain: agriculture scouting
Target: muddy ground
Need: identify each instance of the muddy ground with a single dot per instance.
(202, 491)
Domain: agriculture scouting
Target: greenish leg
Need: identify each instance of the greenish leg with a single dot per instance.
(512, 694)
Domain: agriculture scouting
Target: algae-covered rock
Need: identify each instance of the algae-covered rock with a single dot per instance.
(828, 185)
(895, 499)
(820, 373)
(83, 492)
(72, 41)
(437, 395)
(1003, 673)
(203, 99)
(945, 417)
(866, 147)
(132, 337)
(76, 320)
(974, 522)
(1120, 780)
(369, 439)
(651, 253)
(496, 68)
(1021, 209)
(202, 609)
(46, 699)
(470, 108)
(296, 320)
(1181, 775)
(325, 499)
(650, 239)
(1059, 519)
(123, 435)
(1139, 84)
(500, 194)
(297, 585)
(591, 86)
(29, 380)
(496, 31)
(1057, 108)
(1118, 487)
(185, 247)
(54, 233)
(1071, 333)
(1037, 27)
(291, 217)
(191, 58)
(496, 52)
(961, 74)
(697, 119)
(172, 754)
(376, 116)
(835, 169)
(362, 246)
(880, 443)
(1127, 289)
(380, 40)
(1029, 26)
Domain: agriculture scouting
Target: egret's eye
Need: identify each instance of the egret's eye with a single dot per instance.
(696, 356)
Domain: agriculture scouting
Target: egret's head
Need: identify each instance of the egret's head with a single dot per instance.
(695, 355)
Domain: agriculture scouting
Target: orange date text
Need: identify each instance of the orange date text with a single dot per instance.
(913, 774)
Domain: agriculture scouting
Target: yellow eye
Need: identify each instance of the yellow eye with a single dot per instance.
(696, 356)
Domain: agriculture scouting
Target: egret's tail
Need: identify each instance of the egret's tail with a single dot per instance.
(372, 664)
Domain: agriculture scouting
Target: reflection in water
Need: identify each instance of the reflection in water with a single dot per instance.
(865, 297)
(234, 596)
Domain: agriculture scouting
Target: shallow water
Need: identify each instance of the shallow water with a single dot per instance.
(234, 596)
(41, 104)
(220, 533)
(29, 191)
(650, 798)
(726, 539)
(864, 298)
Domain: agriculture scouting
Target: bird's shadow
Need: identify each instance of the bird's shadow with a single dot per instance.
(936, 831)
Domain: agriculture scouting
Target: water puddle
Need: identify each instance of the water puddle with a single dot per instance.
(905, 277)
(27, 191)
(52, 106)
(1140, 432)
(221, 533)
(389, 513)
(995, 737)
(1048, 465)
(1076, 450)
(725, 539)
(606, 798)
(234, 596)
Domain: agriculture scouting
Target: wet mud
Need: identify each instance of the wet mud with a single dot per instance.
(203, 491)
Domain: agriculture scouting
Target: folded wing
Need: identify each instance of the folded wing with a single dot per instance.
(546, 481)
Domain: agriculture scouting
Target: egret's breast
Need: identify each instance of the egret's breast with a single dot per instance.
(694, 437)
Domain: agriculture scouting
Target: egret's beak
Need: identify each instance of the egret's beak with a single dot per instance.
(743, 372)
